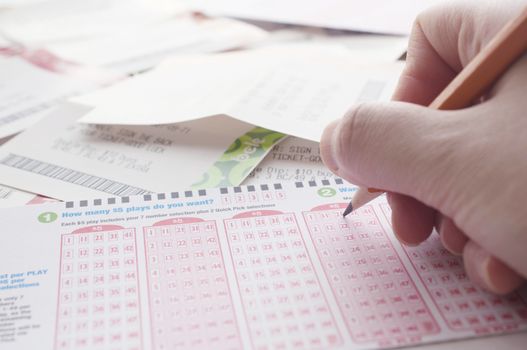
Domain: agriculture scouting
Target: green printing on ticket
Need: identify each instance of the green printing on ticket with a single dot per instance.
(242, 156)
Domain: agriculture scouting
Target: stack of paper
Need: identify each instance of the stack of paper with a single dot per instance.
(42, 64)
(54, 21)
(378, 16)
(124, 44)
(274, 88)
(143, 47)
(128, 36)
(74, 160)
(33, 81)
(294, 90)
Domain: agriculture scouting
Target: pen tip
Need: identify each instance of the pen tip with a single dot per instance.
(348, 210)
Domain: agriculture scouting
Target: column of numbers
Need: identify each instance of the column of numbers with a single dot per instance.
(377, 297)
(463, 305)
(98, 306)
(283, 302)
(190, 300)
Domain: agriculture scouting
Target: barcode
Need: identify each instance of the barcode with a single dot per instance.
(5, 192)
(71, 176)
(10, 118)
(24, 113)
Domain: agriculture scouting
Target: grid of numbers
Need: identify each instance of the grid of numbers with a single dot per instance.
(280, 291)
(463, 305)
(190, 299)
(377, 297)
(98, 306)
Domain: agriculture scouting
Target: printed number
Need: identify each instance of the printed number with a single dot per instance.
(326, 192)
(47, 217)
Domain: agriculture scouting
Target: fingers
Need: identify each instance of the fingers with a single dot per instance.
(395, 146)
(443, 40)
(488, 272)
(451, 236)
(412, 221)
(425, 74)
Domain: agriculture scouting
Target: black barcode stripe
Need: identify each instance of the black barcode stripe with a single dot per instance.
(71, 176)
(21, 114)
(5, 193)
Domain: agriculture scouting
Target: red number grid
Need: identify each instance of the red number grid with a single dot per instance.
(190, 299)
(98, 300)
(378, 300)
(463, 305)
(283, 302)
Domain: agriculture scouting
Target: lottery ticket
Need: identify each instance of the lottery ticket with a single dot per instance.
(79, 161)
(293, 159)
(262, 266)
(13, 197)
(34, 81)
(272, 87)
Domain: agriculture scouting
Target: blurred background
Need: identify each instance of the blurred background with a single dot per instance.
(54, 50)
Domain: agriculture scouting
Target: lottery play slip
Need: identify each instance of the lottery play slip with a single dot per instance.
(254, 267)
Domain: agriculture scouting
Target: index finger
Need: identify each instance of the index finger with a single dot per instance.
(443, 40)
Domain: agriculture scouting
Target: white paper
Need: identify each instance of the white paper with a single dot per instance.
(5, 139)
(368, 47)
(251, 267)
(4, 42)
(293, 159)
(381, 16)
(63, 159)
(60, 20)
(18, 3)
(10, 197)
(35, 81)
(143, 47)
(295, 90)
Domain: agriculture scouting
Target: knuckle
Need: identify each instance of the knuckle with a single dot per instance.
(431, 15)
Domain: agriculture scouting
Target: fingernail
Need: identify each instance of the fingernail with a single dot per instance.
(489, 272)
(476, 260)
(448, 246)
(501, 278)
(327, 146)
(453, 240)
(408, 244)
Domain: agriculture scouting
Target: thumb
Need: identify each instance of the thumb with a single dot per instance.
(395, 146)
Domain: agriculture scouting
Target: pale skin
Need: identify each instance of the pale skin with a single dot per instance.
(461, 172)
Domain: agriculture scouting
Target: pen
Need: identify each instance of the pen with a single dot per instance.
(486, 67)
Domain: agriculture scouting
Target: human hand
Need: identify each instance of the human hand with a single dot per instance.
(463, 172)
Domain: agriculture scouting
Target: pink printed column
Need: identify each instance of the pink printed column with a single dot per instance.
(284, 304)
(190, 299)
(98, 306)
(463, 305)
(377, 297)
